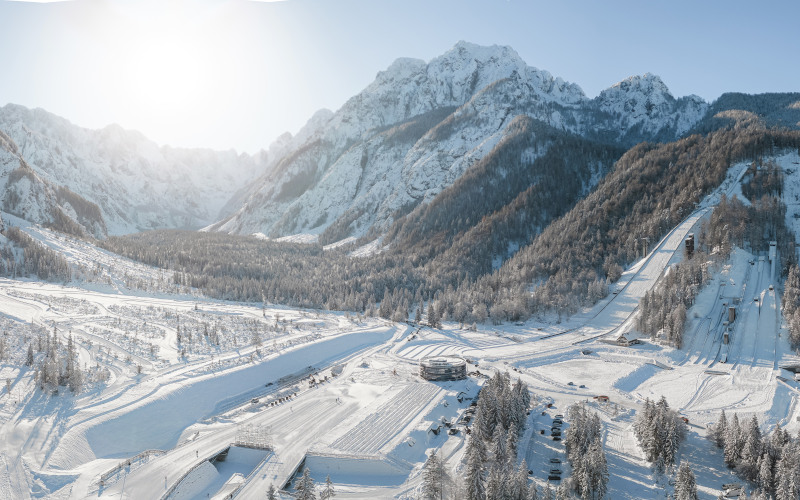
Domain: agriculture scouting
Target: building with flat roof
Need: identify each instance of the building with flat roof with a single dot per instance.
(438, 368)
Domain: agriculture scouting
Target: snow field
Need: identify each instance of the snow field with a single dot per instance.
(357, 470)
(372, 433)
(52, 445)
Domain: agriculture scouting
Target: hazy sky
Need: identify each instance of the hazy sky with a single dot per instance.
(238, 73)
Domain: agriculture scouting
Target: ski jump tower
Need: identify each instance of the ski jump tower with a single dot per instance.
(773, 256)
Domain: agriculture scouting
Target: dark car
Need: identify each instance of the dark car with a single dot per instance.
(556, 438)
(553, 477)
(555, 460)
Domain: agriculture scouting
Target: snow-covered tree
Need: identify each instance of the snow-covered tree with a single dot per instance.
(787, 476)
(474, 478)
(499, 442)
(685, 484)
(271, 494)
(659, 431)
(433, 478)
(719, 430)
(533, 492)
(765, 476)
(733, 448)
(751, 450)
(496, 483)
(518, 483)
(327, 491)
(305, 487)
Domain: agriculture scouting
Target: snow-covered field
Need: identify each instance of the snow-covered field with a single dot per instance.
(343, 394)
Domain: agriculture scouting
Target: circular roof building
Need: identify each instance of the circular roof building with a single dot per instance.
(437, 368)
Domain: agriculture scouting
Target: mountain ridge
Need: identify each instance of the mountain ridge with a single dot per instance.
(330, 175)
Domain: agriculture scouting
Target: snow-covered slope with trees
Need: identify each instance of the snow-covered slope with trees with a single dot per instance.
(418, 127)
(123, 181)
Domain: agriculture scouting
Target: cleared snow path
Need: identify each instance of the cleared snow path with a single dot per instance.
(372, 433)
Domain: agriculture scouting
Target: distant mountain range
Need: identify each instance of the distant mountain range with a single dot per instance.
(390, 150)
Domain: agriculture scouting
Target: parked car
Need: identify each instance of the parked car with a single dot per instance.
(556, 438)
(555, 471)
(555, 460)
(559, 416)
(553, 477)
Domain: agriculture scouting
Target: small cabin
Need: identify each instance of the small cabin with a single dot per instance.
(627, 340)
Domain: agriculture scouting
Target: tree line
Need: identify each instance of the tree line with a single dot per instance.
(770, 462)
(566, 266)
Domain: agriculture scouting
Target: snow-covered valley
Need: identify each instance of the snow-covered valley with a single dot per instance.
(172, 379)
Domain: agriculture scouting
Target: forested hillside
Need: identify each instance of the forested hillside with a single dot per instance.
(453, 266)
(650, 190)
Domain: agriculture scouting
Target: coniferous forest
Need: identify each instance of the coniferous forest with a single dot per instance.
(472, 271)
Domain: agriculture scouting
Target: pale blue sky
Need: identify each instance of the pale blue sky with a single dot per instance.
(236, 73)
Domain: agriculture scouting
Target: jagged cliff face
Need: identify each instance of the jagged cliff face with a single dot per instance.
(134, 184)
(419, 126)
(397, 144)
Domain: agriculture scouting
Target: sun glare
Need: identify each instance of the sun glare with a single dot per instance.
(168, 64)
(166, 74)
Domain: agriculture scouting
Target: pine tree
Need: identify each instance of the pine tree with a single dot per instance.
(751, 450)
(29, 356)
(518, 483)
(496, 483)
(434, 320)
(499, 449)
(432, 478)
(685, 484)
(732, 451)
(599, 468)
(511, 442)
(305, 487)
(474, 478)
(533, 492)
(786, 477)
(328, 492)
(271, 494)
(720, 430)
(765, 479)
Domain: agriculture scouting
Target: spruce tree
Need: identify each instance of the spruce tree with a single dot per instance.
(328, 491)
(685, 484)
(533, 492)
(720, 430)
(474, 477)
(732, 450)
(305, 487)
(432, 478)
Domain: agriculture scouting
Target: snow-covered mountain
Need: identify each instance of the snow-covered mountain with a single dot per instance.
(111, 181)
(419, 126)
(415, 130)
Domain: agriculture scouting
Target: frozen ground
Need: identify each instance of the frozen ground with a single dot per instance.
(342, 393)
